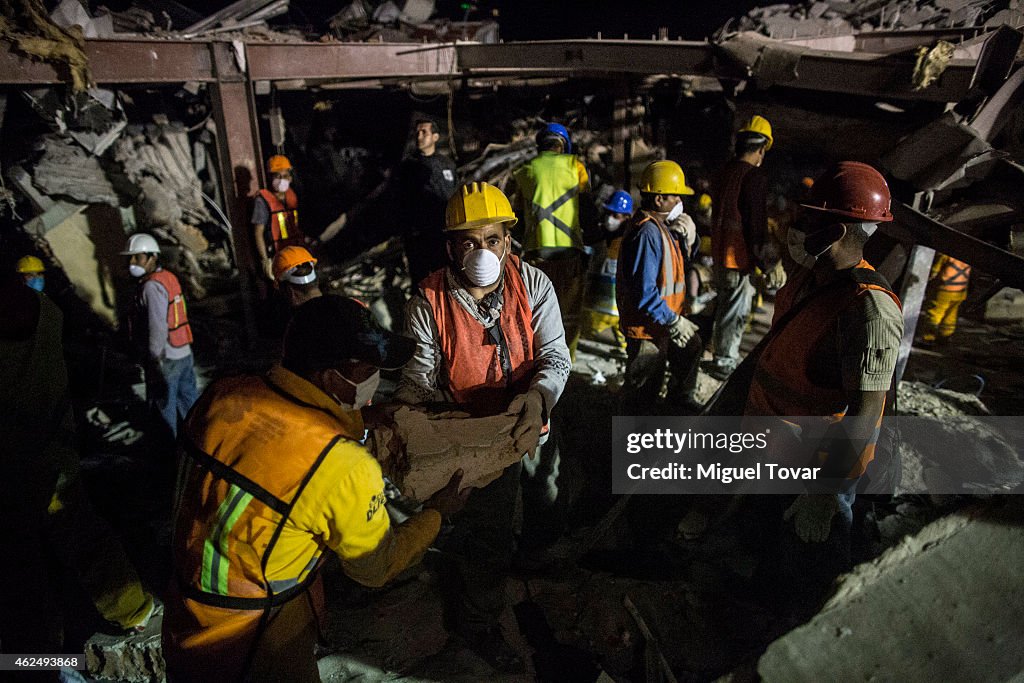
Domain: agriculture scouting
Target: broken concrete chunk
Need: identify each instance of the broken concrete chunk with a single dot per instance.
(419, 452)
(69, 171)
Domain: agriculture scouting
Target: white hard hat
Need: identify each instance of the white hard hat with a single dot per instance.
(141, 243)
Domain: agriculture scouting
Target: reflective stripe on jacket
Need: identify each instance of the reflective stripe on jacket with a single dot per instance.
(486, 367)
(179, 332)
(601, 293)
(550, 184)
(671, 282)
(284, 221)
(797, 375)
(954, 275)
(248, 451)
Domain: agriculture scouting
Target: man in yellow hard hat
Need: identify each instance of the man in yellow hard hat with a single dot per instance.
(739, 241)
(651, 292)
(275, 214)
(272, 480)
(294, 271)
(549, 188)
(31, 270)
(489, 339)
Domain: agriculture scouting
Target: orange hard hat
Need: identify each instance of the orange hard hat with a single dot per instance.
(853, 190)
(289, 258)
(278, 163)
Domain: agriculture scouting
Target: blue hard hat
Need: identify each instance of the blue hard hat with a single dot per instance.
(559, 130)
(621, 202)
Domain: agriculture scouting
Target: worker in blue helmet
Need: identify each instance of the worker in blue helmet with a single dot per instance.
(600, 310)
(555, 130)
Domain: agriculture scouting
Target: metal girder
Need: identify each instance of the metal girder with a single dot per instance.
(912, 225)
(117, 61)
(332, 61)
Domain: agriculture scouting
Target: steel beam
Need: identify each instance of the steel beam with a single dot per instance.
(234, 111)
(333, 61)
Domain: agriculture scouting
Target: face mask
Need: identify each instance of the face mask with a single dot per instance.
(796, 241)
(611, 223)
(280, 184)
(364, 391)
(36, 283)
(136, 271)
(869, 228)
(482, 267)
(675, 213)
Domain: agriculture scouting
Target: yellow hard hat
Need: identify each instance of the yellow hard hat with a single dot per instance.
(278, 163)
(30, 264)
(664, 177)
(760, 126)
(704, 202)
(475, 205)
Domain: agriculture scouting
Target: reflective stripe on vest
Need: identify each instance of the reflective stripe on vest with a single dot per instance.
(798, 374)
(284, 220)
(551, 184)
(179, 332)
(238, 492)
(475, 360)
(671, 281)
(954, 275)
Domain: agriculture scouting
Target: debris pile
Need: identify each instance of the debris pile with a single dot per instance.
(832, 18)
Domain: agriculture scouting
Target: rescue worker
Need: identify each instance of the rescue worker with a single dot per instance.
(159, 326)
(31, 270)
(489, 339)
(294, 270)
(272, 478)
(832, 349)
(45, 513)
(601, 310)
(651, 292)
(739, 241)
(550, 187)
(275, 214)
(949, 279)
(425, 181)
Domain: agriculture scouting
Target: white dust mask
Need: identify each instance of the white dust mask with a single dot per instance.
(796, 241)
(611, 223)
(364, 391)
(280, 184)
(136, 271)
(869, 228)
(482, 267)
(675, 213)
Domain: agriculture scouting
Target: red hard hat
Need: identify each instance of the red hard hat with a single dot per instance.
(853, 190)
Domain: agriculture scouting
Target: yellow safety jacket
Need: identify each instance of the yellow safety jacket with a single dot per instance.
(271, 477)
(550, 185)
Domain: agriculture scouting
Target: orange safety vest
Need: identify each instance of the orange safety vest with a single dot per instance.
(796, 375)
(671, 281)
(240, 482)
(284, 221)
(728, 237)
(954, 275)
(179, 332)
(479, 377)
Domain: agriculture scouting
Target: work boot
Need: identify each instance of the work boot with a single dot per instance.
(718, 369)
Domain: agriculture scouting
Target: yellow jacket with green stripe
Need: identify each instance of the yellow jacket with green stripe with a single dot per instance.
(271, 477)
(550, 186)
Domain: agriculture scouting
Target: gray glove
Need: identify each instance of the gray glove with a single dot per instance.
(681, 331)
(813, 516)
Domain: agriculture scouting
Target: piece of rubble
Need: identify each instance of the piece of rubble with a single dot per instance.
(419, 451)
(69, 171)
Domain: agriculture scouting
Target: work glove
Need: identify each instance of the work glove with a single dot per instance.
(813, 516)
(684, 226)
(450, 499)
(526, 431)
(681, 331)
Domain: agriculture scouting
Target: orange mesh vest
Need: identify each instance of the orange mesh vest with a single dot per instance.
(954, 275)
(478, 377)
(728, 244)
(284, 221)
(241, 476)
(179, 332)
(671, 282)
(796, 375)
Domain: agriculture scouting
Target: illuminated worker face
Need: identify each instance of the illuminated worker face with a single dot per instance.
(141, 263)
(426, 138)
(493, 238)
